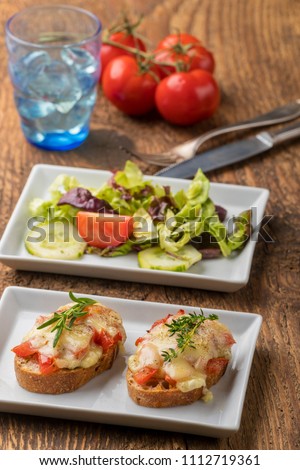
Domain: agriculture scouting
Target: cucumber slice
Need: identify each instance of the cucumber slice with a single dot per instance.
(156, 258)
(55, 240)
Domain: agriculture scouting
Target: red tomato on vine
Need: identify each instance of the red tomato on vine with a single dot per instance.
(130, 85)
(109, 52)
(125, 35)
(185, 98)
(185, 49)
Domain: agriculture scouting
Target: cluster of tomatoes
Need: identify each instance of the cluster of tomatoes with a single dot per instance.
(176, 78)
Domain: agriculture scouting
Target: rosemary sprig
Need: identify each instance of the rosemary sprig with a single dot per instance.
(184, 327)
(65, 320)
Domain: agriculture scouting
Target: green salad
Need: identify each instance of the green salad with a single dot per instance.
(168, 231)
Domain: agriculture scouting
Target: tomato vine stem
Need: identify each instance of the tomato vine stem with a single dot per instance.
(145, 55)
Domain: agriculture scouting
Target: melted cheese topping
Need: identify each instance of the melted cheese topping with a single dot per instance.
(188, 369)
(76, 347)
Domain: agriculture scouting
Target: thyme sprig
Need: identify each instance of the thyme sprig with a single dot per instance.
(184, 327)
(65, 320)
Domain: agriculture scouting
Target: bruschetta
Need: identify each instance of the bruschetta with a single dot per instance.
(63, 350)
(178, 360)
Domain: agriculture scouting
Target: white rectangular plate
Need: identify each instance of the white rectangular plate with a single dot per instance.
(222, 274)
(104, 399)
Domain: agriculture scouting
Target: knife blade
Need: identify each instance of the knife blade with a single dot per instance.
(231, 153)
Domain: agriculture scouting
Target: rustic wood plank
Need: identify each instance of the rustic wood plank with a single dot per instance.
(256, 46)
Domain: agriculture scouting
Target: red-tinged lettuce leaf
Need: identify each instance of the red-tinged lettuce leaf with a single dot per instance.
(136, 193)
(207, 245)
(210, 253)
(221, 212)
(83, 199)
(158, 208)
(159, 205)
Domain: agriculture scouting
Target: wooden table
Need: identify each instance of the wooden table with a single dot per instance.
(256, 46)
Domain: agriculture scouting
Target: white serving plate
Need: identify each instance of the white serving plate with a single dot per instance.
(104, 399)
(222, 274)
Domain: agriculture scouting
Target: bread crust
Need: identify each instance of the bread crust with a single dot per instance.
(62, 380)
(160, 394)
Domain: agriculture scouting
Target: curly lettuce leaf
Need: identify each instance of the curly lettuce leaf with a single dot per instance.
(242, 230)
(197, 192)
(179, 229)
(219, 232)
(61, 185)
(143, 228)
(120, 202)
(180, 199)
(39, 207)
(49, 209)
(131, 177)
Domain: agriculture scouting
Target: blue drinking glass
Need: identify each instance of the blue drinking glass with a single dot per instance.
(54, 64)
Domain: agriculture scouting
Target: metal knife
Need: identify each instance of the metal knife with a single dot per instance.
(231, 153)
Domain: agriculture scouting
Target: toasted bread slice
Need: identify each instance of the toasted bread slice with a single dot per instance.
(63, 380)
(162, 373)
(158, 393)
(85, 350)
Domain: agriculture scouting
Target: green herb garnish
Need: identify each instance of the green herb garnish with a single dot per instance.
(185, 327)
(65, 320)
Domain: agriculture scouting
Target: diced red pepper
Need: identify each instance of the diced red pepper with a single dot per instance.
(144, 375)
(161, 321)
(81, 352)
(139, 340)
(47, 364)
(105, 340)
(170, 381)
(118, 337)
(24, 349)
(180, 312)
(216, 365)
(229, 340)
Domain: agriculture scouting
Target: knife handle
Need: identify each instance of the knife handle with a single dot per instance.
(286, 133)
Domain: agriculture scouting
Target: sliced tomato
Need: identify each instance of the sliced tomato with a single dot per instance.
(144, 375)
(105, 340)
(104, 230)
(47, 364)
(216, 365)
(24, 349)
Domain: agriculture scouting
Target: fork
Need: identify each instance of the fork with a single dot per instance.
(189, 148)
